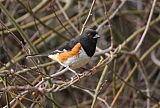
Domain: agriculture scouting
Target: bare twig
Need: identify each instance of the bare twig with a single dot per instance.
(114, 13)
(155, 59)
(66, 16)
(99, 85)
(132, 71)
(23, 35)
(146, 28)
(89, 14)
(90, 93)
(143, 72)
(34, 10)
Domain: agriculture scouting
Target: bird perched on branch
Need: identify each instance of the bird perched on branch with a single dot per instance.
(77, 52)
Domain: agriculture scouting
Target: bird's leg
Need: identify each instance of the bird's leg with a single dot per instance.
(73, 71)
(67, 67)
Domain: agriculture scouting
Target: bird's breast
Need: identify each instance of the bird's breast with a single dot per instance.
(78, 61)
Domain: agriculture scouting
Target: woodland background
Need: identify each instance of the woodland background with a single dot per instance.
(124, 73)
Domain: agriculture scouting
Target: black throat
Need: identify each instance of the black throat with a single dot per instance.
(89, 46)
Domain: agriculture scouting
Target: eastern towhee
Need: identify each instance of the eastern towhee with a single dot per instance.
(77, 52)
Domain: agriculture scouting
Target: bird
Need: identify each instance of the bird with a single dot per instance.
(77, 52)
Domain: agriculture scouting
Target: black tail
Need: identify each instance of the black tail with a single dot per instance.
(37, 55)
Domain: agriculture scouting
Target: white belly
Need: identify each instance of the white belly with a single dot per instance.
(78, 61)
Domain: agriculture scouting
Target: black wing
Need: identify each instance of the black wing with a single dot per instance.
(67, 45)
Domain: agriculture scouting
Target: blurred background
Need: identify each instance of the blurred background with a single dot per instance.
(125, 78)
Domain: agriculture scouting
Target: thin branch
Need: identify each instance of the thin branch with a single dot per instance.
(66, 16)
(155, 59)
(23, 35)
(132, 72)
(101, 80)
(143, 72)
(114, 13)
(146, 28)
(89, 14)
(34, 10)
(90, 93)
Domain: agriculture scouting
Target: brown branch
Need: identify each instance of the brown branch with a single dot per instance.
(89, 14)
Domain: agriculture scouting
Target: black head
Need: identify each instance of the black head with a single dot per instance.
(88, 41)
